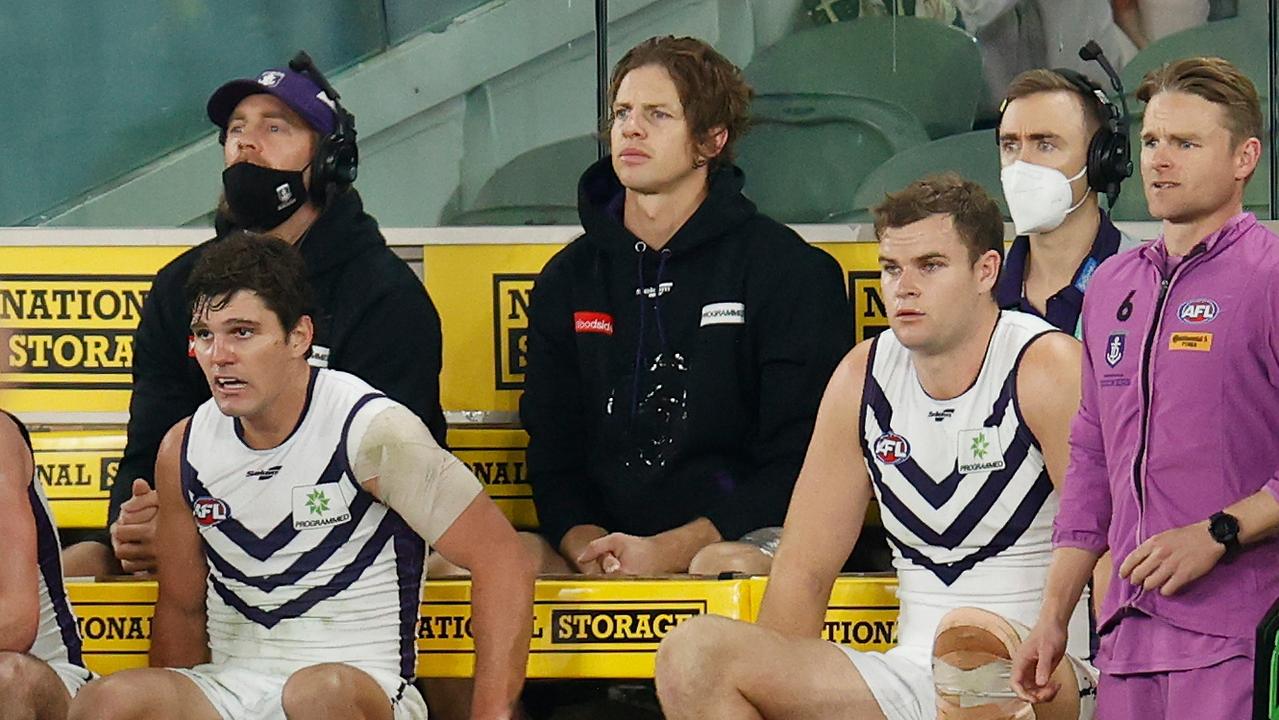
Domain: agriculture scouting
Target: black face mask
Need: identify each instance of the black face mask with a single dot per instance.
(261, 198)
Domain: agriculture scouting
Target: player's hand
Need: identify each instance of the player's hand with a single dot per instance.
(1173, 559)
(622, 554)
(133, 532)
(1035, 660)
(574, 544)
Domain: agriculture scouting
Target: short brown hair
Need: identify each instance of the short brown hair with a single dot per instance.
(975, 214)
(710, 87)
(1042, 80)
(245, 260)
(1216, 80)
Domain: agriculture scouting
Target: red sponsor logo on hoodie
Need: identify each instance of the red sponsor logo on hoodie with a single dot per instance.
(593, 322)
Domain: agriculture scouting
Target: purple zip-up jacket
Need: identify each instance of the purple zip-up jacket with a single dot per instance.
(1179, 418)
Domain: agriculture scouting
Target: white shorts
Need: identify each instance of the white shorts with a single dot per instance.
(238, 693)
(903, 686)
(73, 677)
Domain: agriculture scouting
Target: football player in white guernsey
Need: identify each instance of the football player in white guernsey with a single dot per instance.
(40, 663)
(295, 509)
(957, 420)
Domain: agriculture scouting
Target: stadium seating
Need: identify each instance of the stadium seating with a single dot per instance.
(932, 70)
(538, 187)
(1238, 40)
(806, 154)
(972, 154)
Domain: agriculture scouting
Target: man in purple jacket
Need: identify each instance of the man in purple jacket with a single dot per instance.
(1174, 456)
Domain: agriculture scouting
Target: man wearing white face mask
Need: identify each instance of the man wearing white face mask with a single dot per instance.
(1061, 143)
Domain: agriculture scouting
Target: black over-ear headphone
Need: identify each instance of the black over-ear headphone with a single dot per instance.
(337, 158)
(1109, 158)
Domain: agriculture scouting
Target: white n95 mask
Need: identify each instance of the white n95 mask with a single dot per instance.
(1038, 197)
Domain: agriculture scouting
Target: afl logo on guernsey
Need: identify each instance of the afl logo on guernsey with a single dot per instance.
(210, 511)
(891, 448)
(1197, 312)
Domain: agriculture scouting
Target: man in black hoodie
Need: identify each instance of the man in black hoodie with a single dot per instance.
(678, 349)
(290, 156)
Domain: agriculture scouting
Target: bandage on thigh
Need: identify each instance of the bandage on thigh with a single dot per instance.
(972, 671)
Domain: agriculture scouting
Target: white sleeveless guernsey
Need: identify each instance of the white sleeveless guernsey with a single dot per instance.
(305, 566)
(57, 636)
(963, 492)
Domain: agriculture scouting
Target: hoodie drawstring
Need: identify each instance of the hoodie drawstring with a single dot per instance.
(663, 256)
(657, 301)
(640, 247)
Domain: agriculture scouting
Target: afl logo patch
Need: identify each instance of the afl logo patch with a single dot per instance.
(1197, 312)
(210, 511)
(891, 448)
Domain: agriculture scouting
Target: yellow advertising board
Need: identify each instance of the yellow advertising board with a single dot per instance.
(72, 312)
(581, 628)
(115, 622)
(77, 468)
(496, 456)
(482, 293)
(862, 613)
(860, 262)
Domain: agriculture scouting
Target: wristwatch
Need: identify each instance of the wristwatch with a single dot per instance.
(1224, 528)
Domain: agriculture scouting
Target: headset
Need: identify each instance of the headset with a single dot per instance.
(1109, 157)
(337, 158)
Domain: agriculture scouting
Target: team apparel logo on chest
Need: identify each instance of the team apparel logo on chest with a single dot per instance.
(317, 506)
(1199, 342)
(263, 473)
(892, 449)
(724, 313)
(585, 321)
(979, 451)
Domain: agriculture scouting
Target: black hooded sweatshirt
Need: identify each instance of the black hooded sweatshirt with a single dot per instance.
(372, 313)
(663, 386)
